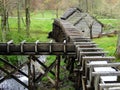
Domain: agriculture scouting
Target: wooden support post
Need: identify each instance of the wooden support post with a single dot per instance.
(30, 78)
(33, 67)
(57, 72)
(78, 83)
(84, 83)
(79, 80)
(96, 84)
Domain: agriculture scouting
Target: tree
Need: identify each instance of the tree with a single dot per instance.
(27, 12)
(86, 3)
(118, 46)
(4, 20)
(57, 8)
(18, 13)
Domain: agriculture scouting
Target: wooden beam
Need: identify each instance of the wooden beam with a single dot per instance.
(12, 66)
(104, 65)
(105, 73)
(45, 72)
(12, 76)
(108, 85)
(42, 64)
(37, 49)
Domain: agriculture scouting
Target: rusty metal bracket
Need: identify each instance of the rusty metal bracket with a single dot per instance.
(8, 45)
(36, 46)
(22, 45)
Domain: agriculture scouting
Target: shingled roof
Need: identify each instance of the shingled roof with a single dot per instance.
(83, 21)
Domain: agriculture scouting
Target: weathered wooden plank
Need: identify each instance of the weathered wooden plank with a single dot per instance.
(42, 49)
(104, 65)
(77, 43)
(68, 13)
(12, 66)
(87, 46)
(93, 53)
(12, 76)
(98, 58)
(115, 88)
(45, 72)
(79, 39)
(108, 85)
(91, 49)
(105, 73)
(42, 64)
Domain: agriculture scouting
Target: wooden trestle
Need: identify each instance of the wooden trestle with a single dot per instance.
(32, 50)
(87, 64)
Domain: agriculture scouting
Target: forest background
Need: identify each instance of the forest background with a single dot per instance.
(31, 20)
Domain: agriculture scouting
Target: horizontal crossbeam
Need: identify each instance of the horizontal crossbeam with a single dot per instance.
(108, 85)
(37, 49)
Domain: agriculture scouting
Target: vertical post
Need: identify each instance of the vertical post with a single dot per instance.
(78, 81)
(57, 72)
(30, 78)
(97, 82)
(33, 76)
(84, 83)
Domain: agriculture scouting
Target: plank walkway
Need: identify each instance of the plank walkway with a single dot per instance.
(92, 67)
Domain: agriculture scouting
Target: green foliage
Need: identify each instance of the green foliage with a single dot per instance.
(50, 59)
(38, 31)
(43, 14)
(1, 64)
(41, 25)
(110, 24)
(108, 44)
(13, 59)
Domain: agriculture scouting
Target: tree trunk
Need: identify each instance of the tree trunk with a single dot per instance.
(79, 5)
(4, 21)
(86, 1)
(118, 46)
(18, 13)
(57, 13)
(92, 6)
(27, 11)
(57, 8)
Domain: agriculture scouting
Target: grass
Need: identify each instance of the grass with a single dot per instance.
(108, 44)
(42, 25)
(39, 31)
(44, 14)
(110, 24)
(39, 28)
